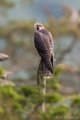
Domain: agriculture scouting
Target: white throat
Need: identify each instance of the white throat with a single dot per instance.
(41, 28)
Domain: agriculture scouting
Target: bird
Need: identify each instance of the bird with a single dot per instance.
(43, 42)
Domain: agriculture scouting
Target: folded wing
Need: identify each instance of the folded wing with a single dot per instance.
(44, 48)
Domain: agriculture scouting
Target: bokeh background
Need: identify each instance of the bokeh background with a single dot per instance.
(62, 18)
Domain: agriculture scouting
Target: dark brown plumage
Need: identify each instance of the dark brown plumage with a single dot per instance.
(44, 44)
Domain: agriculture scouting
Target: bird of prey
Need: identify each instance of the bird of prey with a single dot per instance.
(43, 41)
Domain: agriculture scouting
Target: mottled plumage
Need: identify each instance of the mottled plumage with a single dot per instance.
(44, 44)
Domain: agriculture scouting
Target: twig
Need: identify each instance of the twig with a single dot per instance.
(66, 51)
(44, 93)
(32, 111)
(40, 73)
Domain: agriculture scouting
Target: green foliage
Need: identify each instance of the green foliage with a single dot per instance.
(55, 113)
(28, 90)
(75, 107)
(12, 100)
(76, 101)
(60, 111)
(53, 98)
(6, 3)
(22, 102)
(2, 72)
(32, 93)
(22, 99)
(58, 70)
(17, 102)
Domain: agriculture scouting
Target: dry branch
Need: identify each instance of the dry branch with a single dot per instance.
(66, 51)
(3, 57)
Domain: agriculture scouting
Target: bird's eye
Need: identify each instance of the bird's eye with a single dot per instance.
(37, 27)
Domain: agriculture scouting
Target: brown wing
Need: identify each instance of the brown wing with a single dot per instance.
(43, 47)
(52, 48)
(51, 41)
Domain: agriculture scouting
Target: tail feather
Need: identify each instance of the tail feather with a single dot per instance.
(52, 59)
(49, 65)
(44, 69)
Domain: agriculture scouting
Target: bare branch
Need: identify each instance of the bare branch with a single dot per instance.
(40, 73)
(3, 57)
(66, 51)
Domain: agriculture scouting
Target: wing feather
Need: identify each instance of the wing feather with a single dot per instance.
(43, 47)
(42, 44)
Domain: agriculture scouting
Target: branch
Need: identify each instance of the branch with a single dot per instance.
(35, 109)
(3, 57)
(66, 51)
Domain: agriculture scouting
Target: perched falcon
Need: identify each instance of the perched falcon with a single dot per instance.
(43, 41)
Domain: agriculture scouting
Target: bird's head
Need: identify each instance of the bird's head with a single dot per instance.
(38, 26)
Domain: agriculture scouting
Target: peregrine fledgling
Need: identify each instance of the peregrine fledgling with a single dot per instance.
(43, 41)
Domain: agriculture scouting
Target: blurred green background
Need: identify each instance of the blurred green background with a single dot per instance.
(17, 17)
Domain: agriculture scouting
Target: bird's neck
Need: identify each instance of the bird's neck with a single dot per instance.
(41, 28)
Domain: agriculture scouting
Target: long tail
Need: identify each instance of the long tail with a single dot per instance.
(49, 64)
